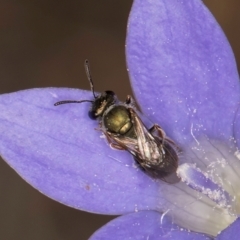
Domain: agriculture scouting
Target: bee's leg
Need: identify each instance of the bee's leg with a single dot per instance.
(99, 127)
(128, 99)
(116, 146)
(157, 129)
(112, 144)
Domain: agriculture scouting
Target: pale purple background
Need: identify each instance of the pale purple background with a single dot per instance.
(44, 43)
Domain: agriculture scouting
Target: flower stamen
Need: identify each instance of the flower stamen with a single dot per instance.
(207, 199)
(202, 182)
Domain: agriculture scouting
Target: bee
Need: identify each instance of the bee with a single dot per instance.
(153, 151)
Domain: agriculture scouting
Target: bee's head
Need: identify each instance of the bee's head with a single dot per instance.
(101, 104)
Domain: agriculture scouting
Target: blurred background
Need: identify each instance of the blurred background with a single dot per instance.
(43, 44)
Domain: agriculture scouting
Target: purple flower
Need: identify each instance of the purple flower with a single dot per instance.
(185, 79)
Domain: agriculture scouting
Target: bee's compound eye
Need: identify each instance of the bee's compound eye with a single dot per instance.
(92, 115)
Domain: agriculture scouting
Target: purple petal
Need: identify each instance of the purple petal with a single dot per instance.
(58, 151)
(182, 68)
(145, 225)
(230, 233)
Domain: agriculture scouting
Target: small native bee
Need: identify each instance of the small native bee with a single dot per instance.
(156, 154)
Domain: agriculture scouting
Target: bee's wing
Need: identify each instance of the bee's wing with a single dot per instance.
(152, 148)
(148, 147)
(129, 144)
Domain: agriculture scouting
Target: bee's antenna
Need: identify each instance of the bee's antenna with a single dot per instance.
(87, 68)
(88, 72)
(71, 101)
